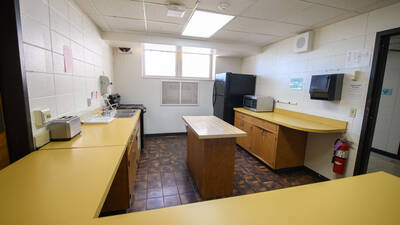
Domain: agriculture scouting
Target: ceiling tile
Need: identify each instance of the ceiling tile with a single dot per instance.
(314, 15)
(235, 8)
(263, 27)
(120, 8)
(275, 9)
(336, 19)
(257, 39)
(347, 4)
(158, 13)
(164, 28)
(188, 3)
(119, 24)
(376, 5)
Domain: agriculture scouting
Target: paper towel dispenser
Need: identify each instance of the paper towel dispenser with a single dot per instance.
(326, 87)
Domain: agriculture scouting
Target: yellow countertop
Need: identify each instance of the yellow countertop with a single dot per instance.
(53, 187)
(299, 121)
(69, 186)
(110, 134)
(368, 199)
(210, 127)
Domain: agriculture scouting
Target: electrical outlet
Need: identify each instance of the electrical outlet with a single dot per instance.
(42, 117)
(89, 102)
(353, 112)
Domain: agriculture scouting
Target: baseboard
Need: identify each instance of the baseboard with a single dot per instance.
(388, 154)
(317, 174)
(165, 134)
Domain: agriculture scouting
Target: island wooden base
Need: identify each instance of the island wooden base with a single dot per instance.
(211, 162)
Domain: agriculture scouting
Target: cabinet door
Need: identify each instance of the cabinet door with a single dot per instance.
(138, 145)
(264, 145)
(132, 164)
(244, 142)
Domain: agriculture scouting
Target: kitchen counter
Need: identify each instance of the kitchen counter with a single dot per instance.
(53, 187)
(210, 127)
(114, 133)
(68, 187)
(299, 121)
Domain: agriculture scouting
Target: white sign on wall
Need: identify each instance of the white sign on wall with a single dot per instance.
(358, 58)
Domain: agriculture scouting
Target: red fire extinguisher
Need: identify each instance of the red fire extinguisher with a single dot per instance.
(340, 155)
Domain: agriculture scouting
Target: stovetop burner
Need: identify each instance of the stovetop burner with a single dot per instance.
(132, 106)
(116, 98)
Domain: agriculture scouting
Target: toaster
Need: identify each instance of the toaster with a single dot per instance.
(64, 128)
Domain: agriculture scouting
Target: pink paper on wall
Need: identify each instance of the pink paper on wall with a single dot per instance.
(68, 66)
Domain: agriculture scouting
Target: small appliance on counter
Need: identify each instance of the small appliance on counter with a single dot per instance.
(64, 128)
(258, 103)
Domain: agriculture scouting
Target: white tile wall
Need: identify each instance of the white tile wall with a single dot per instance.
(277, 64)
(48, 26)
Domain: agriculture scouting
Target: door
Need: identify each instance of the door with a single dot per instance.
(264, 145)
(242, 84)
(379, 145)
(385, 155)
(219, 103)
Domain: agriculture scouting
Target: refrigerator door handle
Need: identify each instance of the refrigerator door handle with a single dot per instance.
(214, 95)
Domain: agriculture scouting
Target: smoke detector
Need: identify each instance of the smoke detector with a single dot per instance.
(223, 5)
(176, 9)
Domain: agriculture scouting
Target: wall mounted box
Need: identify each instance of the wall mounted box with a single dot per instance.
(326, 87)
(303, 42)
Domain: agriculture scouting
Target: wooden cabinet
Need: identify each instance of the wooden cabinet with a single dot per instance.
(277, 146)
(245, 142)
(122, 190)
(264, 145)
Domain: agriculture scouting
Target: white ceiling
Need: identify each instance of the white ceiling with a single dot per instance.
(257, 22)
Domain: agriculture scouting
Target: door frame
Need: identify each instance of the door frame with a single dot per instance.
(13, 84)
(381, 50)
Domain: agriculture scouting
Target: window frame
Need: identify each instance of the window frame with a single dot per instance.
(180, 92)
(179, 66)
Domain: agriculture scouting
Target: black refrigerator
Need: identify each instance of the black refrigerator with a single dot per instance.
(228, 92)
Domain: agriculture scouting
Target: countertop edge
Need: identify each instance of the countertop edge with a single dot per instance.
(305, 129)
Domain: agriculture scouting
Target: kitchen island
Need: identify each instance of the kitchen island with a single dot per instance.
(211, 146)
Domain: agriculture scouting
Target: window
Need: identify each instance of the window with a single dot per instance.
(160, 60)
(179, 93)
(168, 61)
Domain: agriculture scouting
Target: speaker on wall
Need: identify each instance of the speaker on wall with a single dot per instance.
(303, 42)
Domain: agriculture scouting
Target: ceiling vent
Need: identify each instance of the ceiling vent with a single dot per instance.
(176, 9)
(303, 42)
(124, 51)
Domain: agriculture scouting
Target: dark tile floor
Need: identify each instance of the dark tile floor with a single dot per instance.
(163, 178)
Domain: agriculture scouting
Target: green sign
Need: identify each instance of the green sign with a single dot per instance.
(296, 84)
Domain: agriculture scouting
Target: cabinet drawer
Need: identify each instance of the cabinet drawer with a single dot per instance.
(265, 125)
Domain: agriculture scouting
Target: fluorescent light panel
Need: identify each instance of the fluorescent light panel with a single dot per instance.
(205, 24)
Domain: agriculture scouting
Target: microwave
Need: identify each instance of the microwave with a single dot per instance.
(258, 103)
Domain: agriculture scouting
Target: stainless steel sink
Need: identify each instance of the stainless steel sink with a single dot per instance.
(125, 113)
